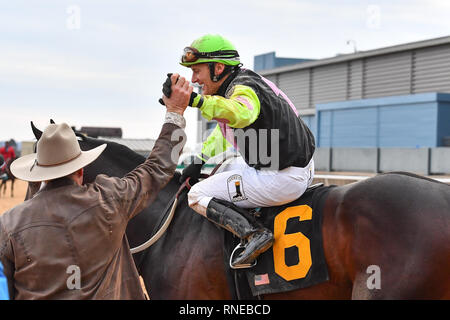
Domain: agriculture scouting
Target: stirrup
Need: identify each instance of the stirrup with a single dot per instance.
(240, 266)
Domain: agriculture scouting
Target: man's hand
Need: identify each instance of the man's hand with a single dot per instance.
(180, 94)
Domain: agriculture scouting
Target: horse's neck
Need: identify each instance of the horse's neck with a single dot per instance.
(191, 250)
(140, 228)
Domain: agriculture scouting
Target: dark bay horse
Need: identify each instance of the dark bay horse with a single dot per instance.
(398, 222)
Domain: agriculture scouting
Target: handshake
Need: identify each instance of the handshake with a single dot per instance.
(181, 90)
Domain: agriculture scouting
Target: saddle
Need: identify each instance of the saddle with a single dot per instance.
(296, 259)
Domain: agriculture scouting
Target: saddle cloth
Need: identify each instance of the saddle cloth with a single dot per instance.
(296, 260)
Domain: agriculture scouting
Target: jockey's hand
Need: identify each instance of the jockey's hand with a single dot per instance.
(180, 94)
(167, 91)
(167, 86)
(192, 171)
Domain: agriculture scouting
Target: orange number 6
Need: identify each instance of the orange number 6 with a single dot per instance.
(299, 240)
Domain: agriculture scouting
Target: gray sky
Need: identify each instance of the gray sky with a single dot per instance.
(103, 62)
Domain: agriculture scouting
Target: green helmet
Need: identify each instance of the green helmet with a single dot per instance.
(210, 48)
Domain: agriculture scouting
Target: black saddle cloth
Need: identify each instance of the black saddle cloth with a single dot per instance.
(297, 221)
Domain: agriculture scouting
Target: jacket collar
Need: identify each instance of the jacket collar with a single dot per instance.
(223, 88)
(57, 183)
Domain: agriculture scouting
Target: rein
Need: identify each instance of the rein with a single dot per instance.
(168, 220)
(160, 232)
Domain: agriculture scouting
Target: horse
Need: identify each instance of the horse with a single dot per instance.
(6, 175)
(398, 222)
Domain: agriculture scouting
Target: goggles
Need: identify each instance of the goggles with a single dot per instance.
(191, 55)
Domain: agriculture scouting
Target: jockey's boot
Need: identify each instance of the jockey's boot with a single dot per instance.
(259, 239)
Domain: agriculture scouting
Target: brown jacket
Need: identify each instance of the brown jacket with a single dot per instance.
(67, 229)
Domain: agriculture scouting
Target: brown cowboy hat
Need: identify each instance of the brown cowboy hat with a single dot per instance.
(58, 155)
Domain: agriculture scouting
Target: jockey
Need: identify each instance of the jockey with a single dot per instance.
(262, 124)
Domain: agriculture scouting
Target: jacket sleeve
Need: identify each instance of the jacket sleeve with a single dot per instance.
(214, 144)
(239, 110)
(137, 189)
(7, 259)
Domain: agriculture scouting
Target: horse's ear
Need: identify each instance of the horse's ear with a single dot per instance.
(37, 133)
(52, 122)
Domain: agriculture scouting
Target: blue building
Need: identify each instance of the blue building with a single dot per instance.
(414, 121)
(270, 61)
(390, 97)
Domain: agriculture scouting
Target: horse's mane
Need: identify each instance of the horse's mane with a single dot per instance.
(113, 147)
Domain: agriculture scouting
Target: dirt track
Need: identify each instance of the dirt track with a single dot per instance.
(6, 202)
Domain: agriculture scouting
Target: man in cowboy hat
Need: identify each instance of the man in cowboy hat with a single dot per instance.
(68, 241)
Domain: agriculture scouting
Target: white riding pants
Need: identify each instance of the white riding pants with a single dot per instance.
(247, 187)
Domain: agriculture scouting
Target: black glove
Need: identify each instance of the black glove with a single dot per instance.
(192, 171)
(167, 91)
(167, 88)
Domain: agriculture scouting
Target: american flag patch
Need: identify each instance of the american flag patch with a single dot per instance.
(261, 279)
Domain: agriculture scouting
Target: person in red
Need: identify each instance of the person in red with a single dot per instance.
(7, 152)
